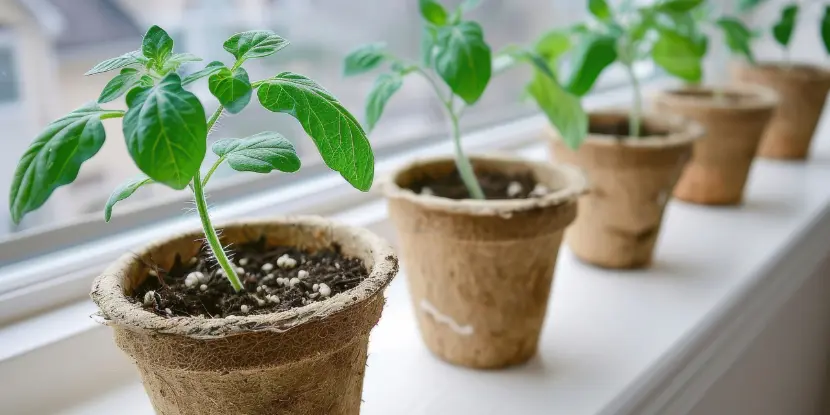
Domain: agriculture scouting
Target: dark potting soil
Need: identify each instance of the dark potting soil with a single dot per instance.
(619, 129)
(496, 186)
(271, 283)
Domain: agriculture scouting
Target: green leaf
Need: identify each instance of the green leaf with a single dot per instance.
(364, 59)
(433, 12)
(679, 6)
(55, 157)
(563, 110)
(429, 36)
(166, 132)
(679, 56)
(210, 69)
(552, 45)
(783, 30)
(157, 46)
(339, 137)
(123, 191)
(254, 44)
(593, 54)
(385, 86)
(463, 60)
(747, 5)
(127, 59)
(119, 85)
(600, 9)
(233, 90)
(738, 36)
(259, 153)
(825, 29)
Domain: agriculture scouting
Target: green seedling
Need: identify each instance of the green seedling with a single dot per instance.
(783, 29)
(455, 53)
(166, 128)
(664, 32)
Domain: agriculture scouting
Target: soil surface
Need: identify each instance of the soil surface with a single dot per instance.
(619, 129)
(496, 186)
(275, 278)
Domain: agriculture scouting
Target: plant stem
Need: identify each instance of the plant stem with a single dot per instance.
(212, 169)
(112, 114)
(462, 162)
(201, 206)
(210, 234)
(637, 104)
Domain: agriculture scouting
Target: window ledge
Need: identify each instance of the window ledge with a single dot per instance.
(719, 277)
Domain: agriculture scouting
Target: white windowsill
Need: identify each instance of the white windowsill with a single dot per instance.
(614, 342)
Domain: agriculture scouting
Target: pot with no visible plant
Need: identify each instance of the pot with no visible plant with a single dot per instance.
(734, 118)
(802, 89)
(283, 326)
(632, 159)
(480, 236)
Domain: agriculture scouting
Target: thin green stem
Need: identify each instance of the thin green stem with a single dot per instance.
(201, 206)
(212, 169)
(214, 118)
(211, 236)
(112, 114)
(637, 104)
(462, 162)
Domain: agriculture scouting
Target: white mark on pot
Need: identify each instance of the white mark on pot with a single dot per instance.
(267, 267)
(244, 308)
(243, 261)
(427, 191)
(286, 262)
(149, 298)
(302, 274)
(293, 282)
(203, 287)
(193, 279)
(427, 307)
(514, 189)
(325, 290)
(539, 190)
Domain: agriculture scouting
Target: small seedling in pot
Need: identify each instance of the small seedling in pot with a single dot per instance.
(166, 129)
(782, 30)
(664, 32)
(455, 52)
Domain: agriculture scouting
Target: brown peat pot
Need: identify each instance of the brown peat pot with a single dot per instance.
(307, 360)
(802, 91)
(480, 271)
(734, 118)
(631, 181)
